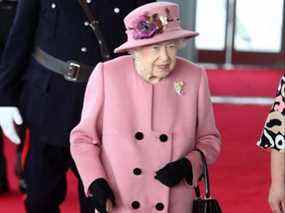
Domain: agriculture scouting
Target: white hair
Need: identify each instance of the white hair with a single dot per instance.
(181, 43)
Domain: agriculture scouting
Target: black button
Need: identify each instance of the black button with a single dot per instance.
(137, 171)
(135, 205)
(139, 135)
(163, 138)
(159, 206)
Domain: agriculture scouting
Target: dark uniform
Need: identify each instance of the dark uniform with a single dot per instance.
(7, 12)
(51, 104)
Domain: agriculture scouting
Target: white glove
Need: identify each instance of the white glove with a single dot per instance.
(9, 116)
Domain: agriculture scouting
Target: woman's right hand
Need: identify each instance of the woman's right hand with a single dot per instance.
(276, 198)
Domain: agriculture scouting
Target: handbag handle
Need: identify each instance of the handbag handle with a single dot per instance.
(205, 177)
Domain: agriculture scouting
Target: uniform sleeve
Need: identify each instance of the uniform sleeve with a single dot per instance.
(272, 136)
(18, 50)
(85, 138)
(208, 137)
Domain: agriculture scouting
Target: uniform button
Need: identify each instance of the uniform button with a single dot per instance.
(83, 49)
(135, 205)
(86, 23)
(137, 171)
(139, 135)
(53, 5)
(159, 206)
(163, 138)
(88, 1)
(116, 10)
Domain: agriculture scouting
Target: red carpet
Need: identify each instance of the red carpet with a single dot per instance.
(244, 82)
(240, 177)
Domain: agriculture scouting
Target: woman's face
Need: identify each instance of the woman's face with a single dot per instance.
(155, 62)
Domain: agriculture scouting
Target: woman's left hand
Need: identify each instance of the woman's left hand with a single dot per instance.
(174, 172)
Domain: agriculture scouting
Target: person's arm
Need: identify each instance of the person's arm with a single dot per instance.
(18, 50)
(277, 188)
(277, 167)
(15, 57)
(208, 137)
(85, 138)
(85, 145)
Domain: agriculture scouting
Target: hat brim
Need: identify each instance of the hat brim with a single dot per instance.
(165, 36)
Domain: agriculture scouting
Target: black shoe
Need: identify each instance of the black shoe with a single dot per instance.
(22, 185)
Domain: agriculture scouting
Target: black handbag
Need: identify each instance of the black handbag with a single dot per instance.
(205, 204)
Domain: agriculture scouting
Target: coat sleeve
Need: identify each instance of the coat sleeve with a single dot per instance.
(273, 134)
(85, 138)
(207, 135)
(18, 50)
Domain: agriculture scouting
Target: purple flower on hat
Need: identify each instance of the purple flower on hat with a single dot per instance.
(147, 26)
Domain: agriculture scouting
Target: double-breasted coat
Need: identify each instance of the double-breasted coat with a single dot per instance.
(129, 129)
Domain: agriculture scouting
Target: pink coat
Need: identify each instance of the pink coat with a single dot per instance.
(129, 124)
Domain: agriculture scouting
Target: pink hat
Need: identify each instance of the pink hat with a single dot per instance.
(153, 23)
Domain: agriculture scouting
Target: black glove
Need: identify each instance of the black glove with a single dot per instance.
(100, 192)
(174, 172)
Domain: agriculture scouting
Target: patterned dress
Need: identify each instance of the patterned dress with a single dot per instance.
(273, 135)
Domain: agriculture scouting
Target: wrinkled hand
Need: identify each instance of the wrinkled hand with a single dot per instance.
(277, 198)
(174, 172)
(102, 198)
(9, 116)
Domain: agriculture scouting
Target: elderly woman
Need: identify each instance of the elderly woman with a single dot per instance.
(273, 138)
(143, 117)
